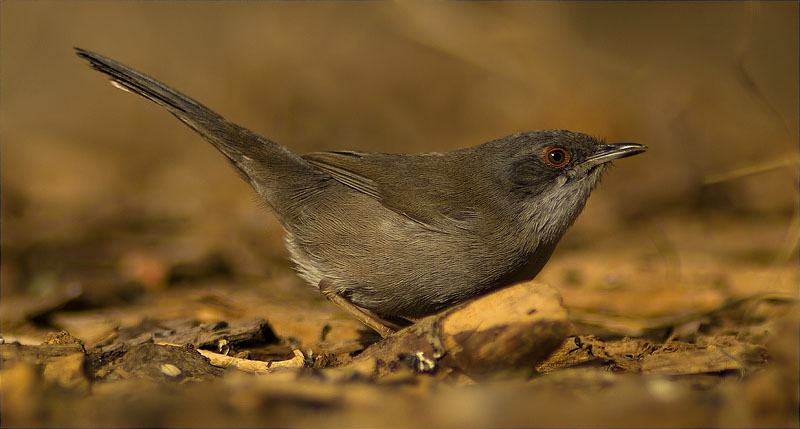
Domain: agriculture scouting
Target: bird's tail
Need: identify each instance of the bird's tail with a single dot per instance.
(266, 165)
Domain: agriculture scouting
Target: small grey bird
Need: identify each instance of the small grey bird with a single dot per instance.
(405, 235)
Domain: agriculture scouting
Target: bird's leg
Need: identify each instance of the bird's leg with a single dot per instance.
(373, 321)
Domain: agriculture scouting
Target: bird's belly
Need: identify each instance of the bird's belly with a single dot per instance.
(396, 267)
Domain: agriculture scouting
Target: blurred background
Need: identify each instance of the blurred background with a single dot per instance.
(108, 200)
(100, 187)
(96, 182)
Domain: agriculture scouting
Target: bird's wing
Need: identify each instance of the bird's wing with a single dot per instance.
(346, 168)
(420, 187)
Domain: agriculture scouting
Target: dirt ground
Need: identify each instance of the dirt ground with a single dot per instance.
(143, 285)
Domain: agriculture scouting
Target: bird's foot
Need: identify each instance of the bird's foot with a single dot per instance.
(372, 320)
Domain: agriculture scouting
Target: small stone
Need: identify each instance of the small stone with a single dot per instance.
(504, 332)
(170, 370)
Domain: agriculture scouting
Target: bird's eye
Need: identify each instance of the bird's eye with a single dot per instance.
(556, 156)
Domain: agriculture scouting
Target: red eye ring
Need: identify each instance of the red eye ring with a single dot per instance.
(556, 156)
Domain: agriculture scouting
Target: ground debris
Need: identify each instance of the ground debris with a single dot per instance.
(671, 358)
(68, 372)
(508, 330)
(732, 312)
(712, 359)
(202, 355)
(165, 363)
(254, 366)
(62, 337)
(39, 355)
(218, 336)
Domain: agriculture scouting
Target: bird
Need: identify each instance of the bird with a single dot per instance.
(391, 238)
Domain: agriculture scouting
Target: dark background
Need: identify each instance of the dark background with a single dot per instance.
(104, 191)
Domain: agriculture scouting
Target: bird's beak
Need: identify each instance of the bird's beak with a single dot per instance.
(610, 152)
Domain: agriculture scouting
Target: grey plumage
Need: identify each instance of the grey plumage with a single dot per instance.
(406, 235)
